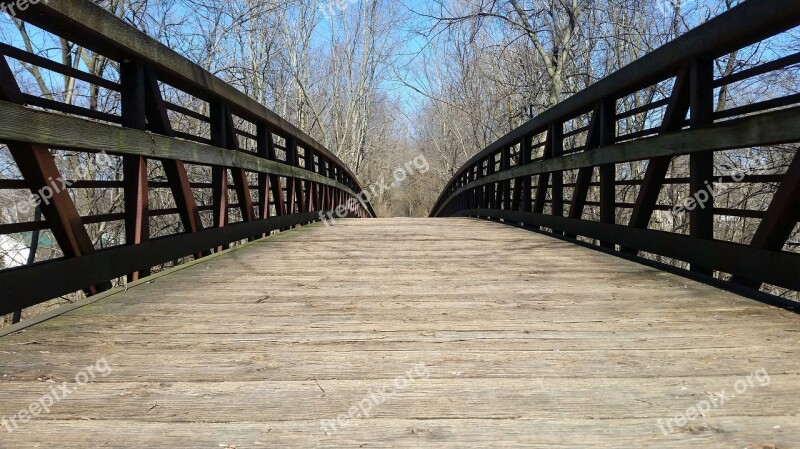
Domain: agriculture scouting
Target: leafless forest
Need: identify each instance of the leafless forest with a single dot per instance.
(380, 82)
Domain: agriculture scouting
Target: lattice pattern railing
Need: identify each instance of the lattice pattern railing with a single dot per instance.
(595, 168)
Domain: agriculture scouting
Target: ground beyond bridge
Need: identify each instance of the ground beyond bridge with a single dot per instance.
(498, 337)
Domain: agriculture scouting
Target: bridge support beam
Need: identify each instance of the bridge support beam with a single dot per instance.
(701, 165)
(174, 170)
(657, 167)
(135, 174)
(40, 173)
(555, 136)
(781, 220)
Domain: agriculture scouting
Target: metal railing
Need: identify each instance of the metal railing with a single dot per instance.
(568, 170)
(280, 176)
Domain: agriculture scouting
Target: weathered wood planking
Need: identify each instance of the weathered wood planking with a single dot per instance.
(528, 342)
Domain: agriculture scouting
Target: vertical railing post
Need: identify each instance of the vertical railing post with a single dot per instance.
(556, 139)
(506, 185)
(308, 163)
(527, 182)
(701, 165)
(608, 172)
(484, 189)
(262, 149)
(543, 180)
(219, 174)
(292, 200)
(134, 168)
(241, 182)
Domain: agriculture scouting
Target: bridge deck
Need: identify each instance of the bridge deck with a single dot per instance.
(505, 338)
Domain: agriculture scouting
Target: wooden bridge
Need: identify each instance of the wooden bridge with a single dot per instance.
(528, 311)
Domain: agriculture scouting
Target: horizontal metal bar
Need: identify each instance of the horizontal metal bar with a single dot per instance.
(174, 211)
(192, 137)
(638, 134)
(19, 184)
(758, 107)
(187, 112)
(246, 134)
(575, 132)
(53, 66)
(641, 109)
(744, 213)
(28, 226)
(759, 70)
(71, 109)
(23, 287)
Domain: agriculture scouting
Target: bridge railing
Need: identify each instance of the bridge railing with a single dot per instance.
(239, 172)
(594, 168)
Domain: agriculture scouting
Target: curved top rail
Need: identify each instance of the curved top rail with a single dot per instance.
(745, 24)
(93, 27)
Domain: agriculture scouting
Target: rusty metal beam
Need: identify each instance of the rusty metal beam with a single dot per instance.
(135, 174)
(175, 171)
(219, 174)
(43, 179)
(584, 178)
(781, 220)
(240, 181)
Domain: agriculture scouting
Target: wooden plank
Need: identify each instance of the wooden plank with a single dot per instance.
(717, 433)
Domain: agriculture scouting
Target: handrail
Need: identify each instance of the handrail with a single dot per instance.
(297, 181)
(522, 177)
